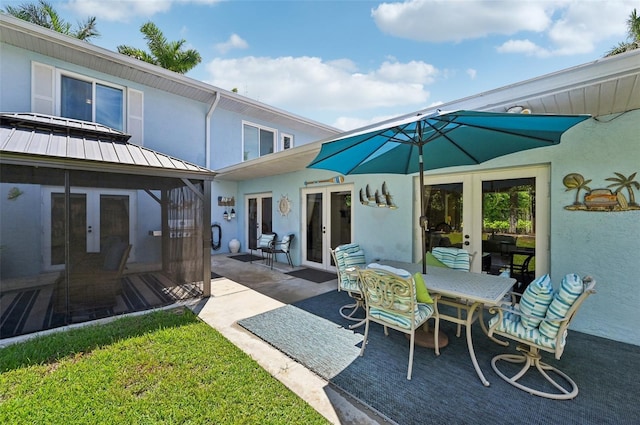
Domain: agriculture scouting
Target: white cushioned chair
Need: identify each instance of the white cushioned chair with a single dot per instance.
(348, 258)
(390, 300)
(265, 244)
(539, 322)
(282, 246)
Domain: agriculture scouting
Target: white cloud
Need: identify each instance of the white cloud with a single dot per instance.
(563, 27)
(234, 42)
(125, 10)
(451, 20)
(308, 84)
(472, 73)
(526, 47)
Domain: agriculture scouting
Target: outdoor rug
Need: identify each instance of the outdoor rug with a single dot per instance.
(32, 310)
(317, 276)
(245, 258)
(446, 389)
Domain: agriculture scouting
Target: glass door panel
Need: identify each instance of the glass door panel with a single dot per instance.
(444, 207)
(78, 233)
(327, 213)
(314, 228)
(508, 224)
(259, 217)
(96, 218)
(498, 216)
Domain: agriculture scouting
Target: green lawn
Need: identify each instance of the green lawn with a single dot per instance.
(165, 367)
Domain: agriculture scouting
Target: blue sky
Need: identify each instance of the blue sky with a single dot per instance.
(351, 63)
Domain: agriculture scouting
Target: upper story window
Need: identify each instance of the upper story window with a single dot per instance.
(59, 92)
(286, 141)
(91, 101)
(257, 141)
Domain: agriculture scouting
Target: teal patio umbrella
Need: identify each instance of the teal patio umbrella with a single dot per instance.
(442, 139)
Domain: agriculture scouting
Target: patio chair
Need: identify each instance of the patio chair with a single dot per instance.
(539, 322)
(264, 244)
(93, 287)
(281, 247)
(521, 271)
(348, 258)
(456, 259)
(390, 296)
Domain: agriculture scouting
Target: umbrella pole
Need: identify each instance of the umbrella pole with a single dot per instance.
(423, 218)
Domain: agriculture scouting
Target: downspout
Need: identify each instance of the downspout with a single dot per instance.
(207, 131)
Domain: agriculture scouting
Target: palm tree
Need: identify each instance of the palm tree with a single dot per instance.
(633, 36)
(167, 54)
(575, 181)
(43, 14)
(622, 182)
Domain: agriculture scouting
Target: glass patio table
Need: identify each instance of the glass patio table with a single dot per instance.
(466, 291)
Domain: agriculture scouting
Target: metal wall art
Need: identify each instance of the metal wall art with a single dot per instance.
(611, 198)
(380, 199)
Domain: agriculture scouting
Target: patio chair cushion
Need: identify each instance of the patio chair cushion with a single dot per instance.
(422, 293)
(512, 324)
(284, 244)
(352, 255)
(570, 289)
(265, 240)
(454, 258)
(400, 272)
(421, 310)
(535, 301)
(433, 261)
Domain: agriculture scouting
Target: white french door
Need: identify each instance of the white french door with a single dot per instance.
(327, 213)
(463, 210)
(96, 216)
(259, 217)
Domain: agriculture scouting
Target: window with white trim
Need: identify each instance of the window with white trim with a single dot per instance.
(71, 95)
(286, 141)
(89, 100)
(257, 141)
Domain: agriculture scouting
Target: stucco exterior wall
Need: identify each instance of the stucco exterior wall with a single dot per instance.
(604, 245)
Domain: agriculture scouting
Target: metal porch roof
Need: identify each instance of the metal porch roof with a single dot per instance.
(49, 141)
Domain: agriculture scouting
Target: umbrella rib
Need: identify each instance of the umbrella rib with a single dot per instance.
(441, 133)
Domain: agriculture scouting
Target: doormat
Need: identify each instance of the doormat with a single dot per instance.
(246, 257)
(317, 276)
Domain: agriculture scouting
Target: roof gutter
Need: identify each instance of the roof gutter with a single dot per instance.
(207, 131)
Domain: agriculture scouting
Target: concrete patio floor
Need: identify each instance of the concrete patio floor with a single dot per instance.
(249, 289)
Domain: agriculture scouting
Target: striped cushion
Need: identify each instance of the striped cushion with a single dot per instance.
(511, 324)
(423, 312)
(454, 258)
(400, 303)
(265, 241)
(354, 256)
(400, 272)
(570, 289)
(535, 301)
